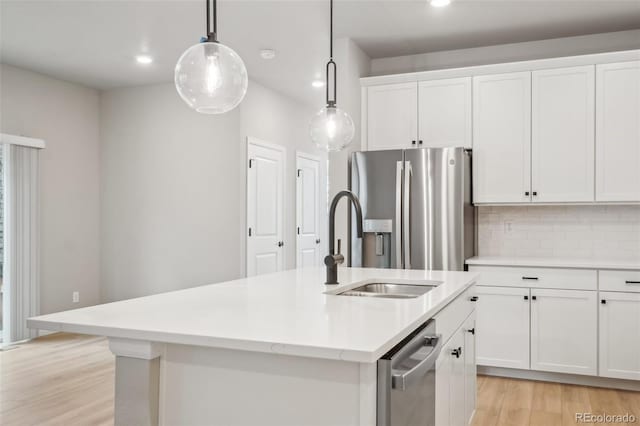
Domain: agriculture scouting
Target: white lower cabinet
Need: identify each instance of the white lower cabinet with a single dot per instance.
(564, 331)
(503, 327)
(620, 335)
(456, 378)
(470, 371)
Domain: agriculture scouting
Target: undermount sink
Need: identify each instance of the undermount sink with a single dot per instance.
(389, 290)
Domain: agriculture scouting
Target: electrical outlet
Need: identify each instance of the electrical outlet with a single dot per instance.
(76, 297)
(508, 227)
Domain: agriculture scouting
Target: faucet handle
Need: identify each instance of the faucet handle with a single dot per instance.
(339, 246)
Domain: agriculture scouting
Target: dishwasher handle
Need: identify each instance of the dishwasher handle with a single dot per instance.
(402, 379)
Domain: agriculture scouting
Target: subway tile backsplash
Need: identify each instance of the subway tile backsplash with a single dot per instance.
(600, 232)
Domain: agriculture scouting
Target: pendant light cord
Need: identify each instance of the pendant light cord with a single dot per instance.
(212, 34)
(331, 63)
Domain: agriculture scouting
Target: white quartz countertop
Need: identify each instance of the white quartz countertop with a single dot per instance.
(553, 262)
(286, 312)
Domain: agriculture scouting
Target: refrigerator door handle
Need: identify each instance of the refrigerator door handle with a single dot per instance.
(398, 230)
(406, 208)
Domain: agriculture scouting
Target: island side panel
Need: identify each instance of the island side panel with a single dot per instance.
(227, 387)
(137, 381)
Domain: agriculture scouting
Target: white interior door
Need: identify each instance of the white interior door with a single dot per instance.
(265, 207)
(307, 211)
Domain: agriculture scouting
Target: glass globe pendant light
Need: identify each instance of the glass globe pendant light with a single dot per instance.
(331, 128)
(209, 76)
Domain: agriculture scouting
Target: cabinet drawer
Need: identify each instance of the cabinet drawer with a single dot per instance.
(508, 276)
(628, 281)
(451, 317)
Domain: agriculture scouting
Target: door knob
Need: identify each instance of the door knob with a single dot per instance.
(472, 330)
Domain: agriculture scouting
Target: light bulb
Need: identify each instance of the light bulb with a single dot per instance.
(211, 78)
(331, 126)
(331, 129)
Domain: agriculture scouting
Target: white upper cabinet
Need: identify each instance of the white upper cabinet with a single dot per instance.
(502, 138)
(620, 335)
(618, 132)
(564, 331)
(392, 116)
(562, 132)
(444, 113)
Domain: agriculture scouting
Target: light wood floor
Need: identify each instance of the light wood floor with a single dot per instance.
(67, 379)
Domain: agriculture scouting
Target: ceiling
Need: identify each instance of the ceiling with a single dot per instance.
(95, 42)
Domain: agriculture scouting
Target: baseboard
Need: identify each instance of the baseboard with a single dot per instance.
(572, 379)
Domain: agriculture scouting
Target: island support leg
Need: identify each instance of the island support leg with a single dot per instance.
(137, 387)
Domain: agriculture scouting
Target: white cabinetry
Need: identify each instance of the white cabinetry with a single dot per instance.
(620, 335)
(444, 113)
(618, 132)
(562, 132)
(470, 370)
(503, 327)
(564, 327)
(502, 138)
(435, 113)
(456, 365)
(392, 116)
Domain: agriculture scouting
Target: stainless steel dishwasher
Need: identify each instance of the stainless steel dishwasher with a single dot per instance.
(407, 380)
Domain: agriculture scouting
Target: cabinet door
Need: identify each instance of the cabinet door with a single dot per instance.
(444, 113)
(618, 132)
(502, 138)
(502, 327)
(470, 367)
(443, 384)
(620, 335)
(564, 331)
(457, 392)
(392, 116)
(562, 134)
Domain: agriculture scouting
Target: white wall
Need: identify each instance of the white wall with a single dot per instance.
(601, 232)
(269, 116)
(352, 64)
(174, 186)
(65, 115)
(170, 190)
(569, 46)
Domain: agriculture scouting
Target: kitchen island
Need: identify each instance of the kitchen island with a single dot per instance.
(274, 349)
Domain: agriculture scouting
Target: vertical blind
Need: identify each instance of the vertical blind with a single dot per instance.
(21, 252)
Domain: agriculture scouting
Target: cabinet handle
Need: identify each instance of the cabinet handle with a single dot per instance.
(280, 243)
(534, 298)
(472, 331)
(419, 142)
(632, 282)
(318, 241)
(526, 298)
(474, 298)
(526, 193)
(535, 193)
(530, 278)
(456, 352)
(603, 301)
(413, 142)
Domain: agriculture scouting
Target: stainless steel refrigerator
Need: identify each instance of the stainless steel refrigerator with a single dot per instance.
(416, 206)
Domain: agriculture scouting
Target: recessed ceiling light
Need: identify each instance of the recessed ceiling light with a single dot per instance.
(317, 83)
(440, 3)
(144, 59)
(267, 53)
